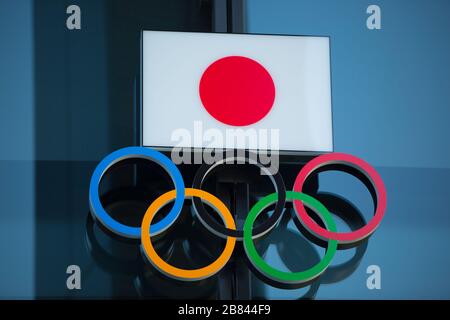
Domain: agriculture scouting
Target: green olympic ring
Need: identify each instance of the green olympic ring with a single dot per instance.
(278, 275)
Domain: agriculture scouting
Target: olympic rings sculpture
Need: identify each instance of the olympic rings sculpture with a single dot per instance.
(334, 240)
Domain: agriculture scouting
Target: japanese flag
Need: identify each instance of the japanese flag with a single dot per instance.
(211, 81)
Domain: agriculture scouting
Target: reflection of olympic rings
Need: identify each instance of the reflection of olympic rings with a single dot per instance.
(134, 152)
(354, 219)
(356, 163)
(333, 239)
(220, 230)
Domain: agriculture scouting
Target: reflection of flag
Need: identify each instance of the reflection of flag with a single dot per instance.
(229, 80)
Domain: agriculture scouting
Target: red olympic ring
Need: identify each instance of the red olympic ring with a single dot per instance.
(367, 170)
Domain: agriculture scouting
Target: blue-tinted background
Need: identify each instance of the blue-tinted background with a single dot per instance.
(17, 150)
(390, 86)
(67, 98)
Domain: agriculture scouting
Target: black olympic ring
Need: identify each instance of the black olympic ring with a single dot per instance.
(218, 228)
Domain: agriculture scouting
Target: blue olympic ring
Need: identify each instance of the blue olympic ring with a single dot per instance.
(114, 226)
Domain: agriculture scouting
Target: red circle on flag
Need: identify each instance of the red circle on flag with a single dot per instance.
(237, 91)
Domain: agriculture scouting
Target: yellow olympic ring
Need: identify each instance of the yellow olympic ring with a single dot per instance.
(185, 274)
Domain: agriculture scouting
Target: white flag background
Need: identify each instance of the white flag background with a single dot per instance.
(173, 65)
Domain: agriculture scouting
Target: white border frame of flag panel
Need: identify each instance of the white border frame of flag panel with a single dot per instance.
(282, 153)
